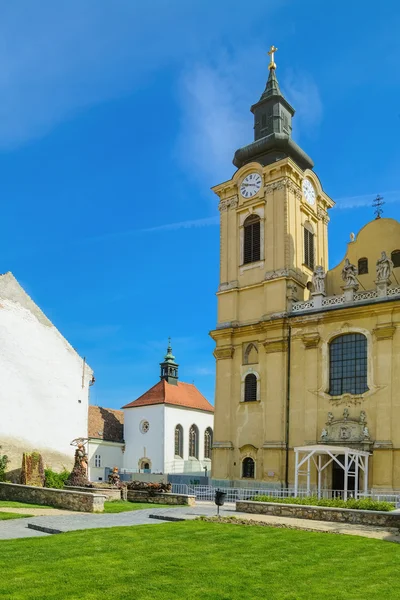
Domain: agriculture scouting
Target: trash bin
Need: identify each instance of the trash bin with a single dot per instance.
(220, 498)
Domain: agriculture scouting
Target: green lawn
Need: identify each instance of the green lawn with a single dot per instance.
(199, 561)
(119, 506)
(6, 516)
(11, 504)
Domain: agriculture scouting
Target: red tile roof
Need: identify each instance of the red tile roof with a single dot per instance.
(106, 424)
(182, 394)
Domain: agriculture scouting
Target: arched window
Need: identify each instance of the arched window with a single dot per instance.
(309, 246)
(251, 354)
(208, 440)
(248, 468)
(396, 258)
(250, 388)
(179, 441)
(251, 243)
(348, 364)
(193, 442)
(363, 266)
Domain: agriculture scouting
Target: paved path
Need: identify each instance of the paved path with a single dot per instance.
(38, 512)
(78, 521)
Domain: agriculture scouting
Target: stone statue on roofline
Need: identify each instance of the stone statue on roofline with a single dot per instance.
(384, 268)
(324, 435)
(318, 280)
(349, 274)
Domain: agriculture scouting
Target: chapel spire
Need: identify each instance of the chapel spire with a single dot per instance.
(272, 127)
(169, 368)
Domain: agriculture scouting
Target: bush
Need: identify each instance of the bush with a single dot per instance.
(3, 466)
(55, 480)
(362, 504)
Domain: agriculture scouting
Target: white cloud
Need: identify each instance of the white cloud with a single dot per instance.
(302, 93)
(206, 222)
(366, 199)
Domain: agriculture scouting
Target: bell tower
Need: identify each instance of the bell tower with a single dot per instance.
(169, 368)
(273, 233)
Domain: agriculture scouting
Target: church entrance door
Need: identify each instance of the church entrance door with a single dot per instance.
(338, 477)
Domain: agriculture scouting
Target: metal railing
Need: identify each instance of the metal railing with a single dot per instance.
(207, 493)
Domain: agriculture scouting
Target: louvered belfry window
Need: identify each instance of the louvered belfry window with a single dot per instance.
(252, 246)
(309, 246)
(250, 388)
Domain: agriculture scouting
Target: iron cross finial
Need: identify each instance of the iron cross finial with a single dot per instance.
(271, 53)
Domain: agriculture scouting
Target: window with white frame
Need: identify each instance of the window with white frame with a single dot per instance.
(97, 460)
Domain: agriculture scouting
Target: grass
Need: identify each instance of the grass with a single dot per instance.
(6, 516)
(362, 504)
(199, 561)
(12, 504)
(118, 506)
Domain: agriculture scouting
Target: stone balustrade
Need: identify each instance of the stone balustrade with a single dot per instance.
(321, 513)
(328, 302)
(67, 499)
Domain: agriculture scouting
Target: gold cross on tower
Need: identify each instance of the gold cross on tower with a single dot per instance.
(271, 53)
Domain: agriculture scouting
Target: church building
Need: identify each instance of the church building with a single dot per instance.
(306, 356)
(169, 429)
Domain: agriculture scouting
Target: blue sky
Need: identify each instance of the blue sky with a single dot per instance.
(117, 118)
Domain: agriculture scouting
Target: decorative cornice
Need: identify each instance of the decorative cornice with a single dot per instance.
(228, 203)
(311, 340)
(274, 444)
(229, 285)
(224, 352)
(384, 332)
(275, 345)
(227, 445)
(276, 274)
(383, 445)
(323, 215)
(282, 183)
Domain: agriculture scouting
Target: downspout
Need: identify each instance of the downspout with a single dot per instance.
(287, 428)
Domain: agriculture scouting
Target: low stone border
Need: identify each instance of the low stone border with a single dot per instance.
(79, 501)
(321, 513)
(109, 493)
(161, 498)
(253, 522)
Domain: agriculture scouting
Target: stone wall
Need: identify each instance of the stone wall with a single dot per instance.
(109, 493)
(321, 513)
(161, 498)
(80, 501)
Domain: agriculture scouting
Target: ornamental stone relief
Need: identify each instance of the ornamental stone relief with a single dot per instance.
(228, 203)
(346, 429)
(282, 183)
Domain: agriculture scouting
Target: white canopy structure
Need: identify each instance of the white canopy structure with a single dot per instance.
(354, 461)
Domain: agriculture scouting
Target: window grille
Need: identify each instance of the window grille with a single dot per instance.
(248, 468)
(252, 245)
(396, 258)
(363, 266)
(194, 442)
(208, 438)
(179, 441)
(250, 388)
(309, 250)
(348, 364)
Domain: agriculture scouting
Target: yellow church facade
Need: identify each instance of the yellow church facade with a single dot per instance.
(304, 355)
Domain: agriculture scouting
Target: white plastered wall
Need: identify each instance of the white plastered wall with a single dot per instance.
(111, 456)
(139, 445)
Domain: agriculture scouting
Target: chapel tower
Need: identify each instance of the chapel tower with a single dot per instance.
(273, 232)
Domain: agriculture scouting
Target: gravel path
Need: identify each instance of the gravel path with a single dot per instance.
(61, 523)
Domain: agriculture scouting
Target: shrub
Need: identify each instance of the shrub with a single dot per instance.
(55, 480)
(362, 504)
(4, 460)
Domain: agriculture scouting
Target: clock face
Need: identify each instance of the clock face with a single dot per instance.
(308, 191)
(250, 185)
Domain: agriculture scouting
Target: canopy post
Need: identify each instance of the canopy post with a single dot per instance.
(296, 472)
(319, 475)
(346, 473)
(356, 478)
(308, 475)
(366, 475)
